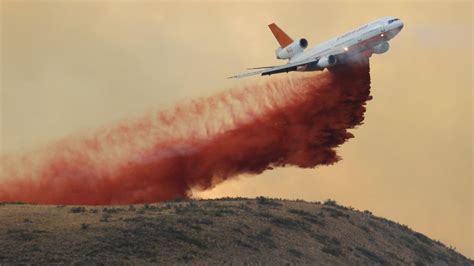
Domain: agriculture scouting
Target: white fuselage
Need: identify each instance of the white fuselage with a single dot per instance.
(365, 40)
(356, 41)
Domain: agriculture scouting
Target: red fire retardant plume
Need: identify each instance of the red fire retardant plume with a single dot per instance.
(295, 121)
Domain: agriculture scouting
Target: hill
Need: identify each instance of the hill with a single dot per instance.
(224, 231)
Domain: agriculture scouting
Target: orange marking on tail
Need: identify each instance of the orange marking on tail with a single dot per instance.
(283, 39)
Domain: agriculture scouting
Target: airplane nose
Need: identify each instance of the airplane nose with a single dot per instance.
(400, 24)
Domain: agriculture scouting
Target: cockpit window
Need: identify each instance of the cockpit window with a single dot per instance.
(392, 20)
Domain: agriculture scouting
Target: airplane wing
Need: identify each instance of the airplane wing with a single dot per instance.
(263, 67)
(243, 75)
(278, 69)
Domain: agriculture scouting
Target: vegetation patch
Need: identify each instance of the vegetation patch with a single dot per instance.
(232, 199)
(423, 238)
(331, 245)
(300, 212)
(335, 213)
(147, 207)
(330, 202)
(221, 212)
(288, 223)
(264, 214)
(244, 207)
(245, 244)
(21, 234)
(143, 232)
(268, 202)
(264, 237)
(365, 228)
(423, 252)
(112, 210)
(188, 209)
(239, 228)
(186, 258)
(77, 210)
(194, 223)
(324, 239)
(105, 217)
(295, 253)
(335, 251)
(172, 233)
(85, 226)
(371, 255)
(373, 223)
(12, 203)
(310, 217)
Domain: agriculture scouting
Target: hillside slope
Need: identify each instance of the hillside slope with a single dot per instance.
(231, 231)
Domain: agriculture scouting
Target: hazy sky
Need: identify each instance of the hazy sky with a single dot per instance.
(72, 66)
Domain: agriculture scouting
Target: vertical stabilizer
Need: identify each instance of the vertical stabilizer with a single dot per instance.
(283, 39)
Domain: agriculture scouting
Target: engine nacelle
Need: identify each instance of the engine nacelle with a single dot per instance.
(291, 50)
(327, 61)
(381, 48)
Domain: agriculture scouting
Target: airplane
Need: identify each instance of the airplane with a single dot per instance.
(369, 38)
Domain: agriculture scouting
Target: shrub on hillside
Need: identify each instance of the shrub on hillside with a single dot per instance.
(295, 252)
(77, 209)
(268, 202)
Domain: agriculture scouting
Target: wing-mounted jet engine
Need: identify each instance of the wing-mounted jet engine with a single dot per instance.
(381, 48)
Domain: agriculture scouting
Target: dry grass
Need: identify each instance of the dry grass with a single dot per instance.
(233, 231)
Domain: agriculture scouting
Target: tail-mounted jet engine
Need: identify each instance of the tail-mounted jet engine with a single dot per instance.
(292, 49)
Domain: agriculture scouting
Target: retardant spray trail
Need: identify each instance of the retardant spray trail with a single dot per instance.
(163, 156)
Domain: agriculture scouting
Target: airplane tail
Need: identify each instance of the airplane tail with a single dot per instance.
(283, 39)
